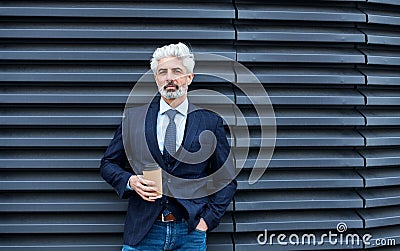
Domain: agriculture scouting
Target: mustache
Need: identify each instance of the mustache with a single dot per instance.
(171, 83)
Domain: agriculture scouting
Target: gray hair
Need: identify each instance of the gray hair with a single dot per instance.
(179, 50)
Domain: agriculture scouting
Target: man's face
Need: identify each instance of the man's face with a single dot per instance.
(172, 78)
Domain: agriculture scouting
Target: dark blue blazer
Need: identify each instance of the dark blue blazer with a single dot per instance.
(115, 169)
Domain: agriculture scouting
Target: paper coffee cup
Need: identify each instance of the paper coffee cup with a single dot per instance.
(153, 172)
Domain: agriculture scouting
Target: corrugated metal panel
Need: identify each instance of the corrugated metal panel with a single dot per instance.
(382, 57)
(375, 217)
(293, 54)
(297, 75)
(302, 179)
(376, 177)
(303, 13)
(301, 220)
(116, 9)
(306, 96)
(291, 200)
(301, 137)
(330, 67)
(101, 50)
(301, 158)
(385, 37)
(298, 33)
(381, 196)
(381, 97)
(110, 30)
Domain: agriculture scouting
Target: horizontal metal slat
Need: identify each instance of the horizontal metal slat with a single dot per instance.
(381, 117)
(299, 55)
(89, 242)
(295, 220)
(301, 179)
(298, 34)
(302, 96)
(65, 202)
(72, 73)
(117, 9)
(391, 2)
(56, 137)
(117, 31)
(382, 96)
(61, 116)
(296, 200)
(61, 242)
(51, 158)
(385, 37)
(59, 94)
(277, 1)
(294, 75)
(379, 197)
(71, 201)
(382, 57)
(379, 217)
(104, 52)
(298, 137)
(52, 181)
(101, 73)
(303, 13)
(89, 116)
(61, 223)
(302, 117)
(381, 157)
(381, 77)
(377, 177)
(324, 138)
(318, 137)
(381, 136)
(300, 158)
(382, 17)
(76, 223)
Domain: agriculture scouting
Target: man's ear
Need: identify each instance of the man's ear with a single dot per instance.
(190, 76)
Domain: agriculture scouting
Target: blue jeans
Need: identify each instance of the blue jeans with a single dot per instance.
(170, 236)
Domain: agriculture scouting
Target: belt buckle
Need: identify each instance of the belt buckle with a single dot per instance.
(163, 218)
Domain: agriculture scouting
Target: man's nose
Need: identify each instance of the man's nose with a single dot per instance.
(170, 77)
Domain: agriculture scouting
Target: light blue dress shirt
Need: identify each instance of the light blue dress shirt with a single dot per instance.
(163, 121)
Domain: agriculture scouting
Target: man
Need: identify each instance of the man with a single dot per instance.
(172, 125)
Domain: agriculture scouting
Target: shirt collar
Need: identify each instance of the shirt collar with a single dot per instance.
(182, 108)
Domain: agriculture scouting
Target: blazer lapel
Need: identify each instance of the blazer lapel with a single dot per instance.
(192, 124)
(151, 132)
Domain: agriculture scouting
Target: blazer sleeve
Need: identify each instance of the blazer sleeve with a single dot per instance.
(219, 201)
(112, 165)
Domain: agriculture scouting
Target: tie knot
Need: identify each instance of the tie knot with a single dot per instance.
(171, 114)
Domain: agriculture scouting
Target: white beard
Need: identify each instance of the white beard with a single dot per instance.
(181, 90)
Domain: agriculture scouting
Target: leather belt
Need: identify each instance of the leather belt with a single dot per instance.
(168, 218)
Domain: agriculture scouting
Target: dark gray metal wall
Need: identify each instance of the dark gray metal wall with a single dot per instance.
(331, 69)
